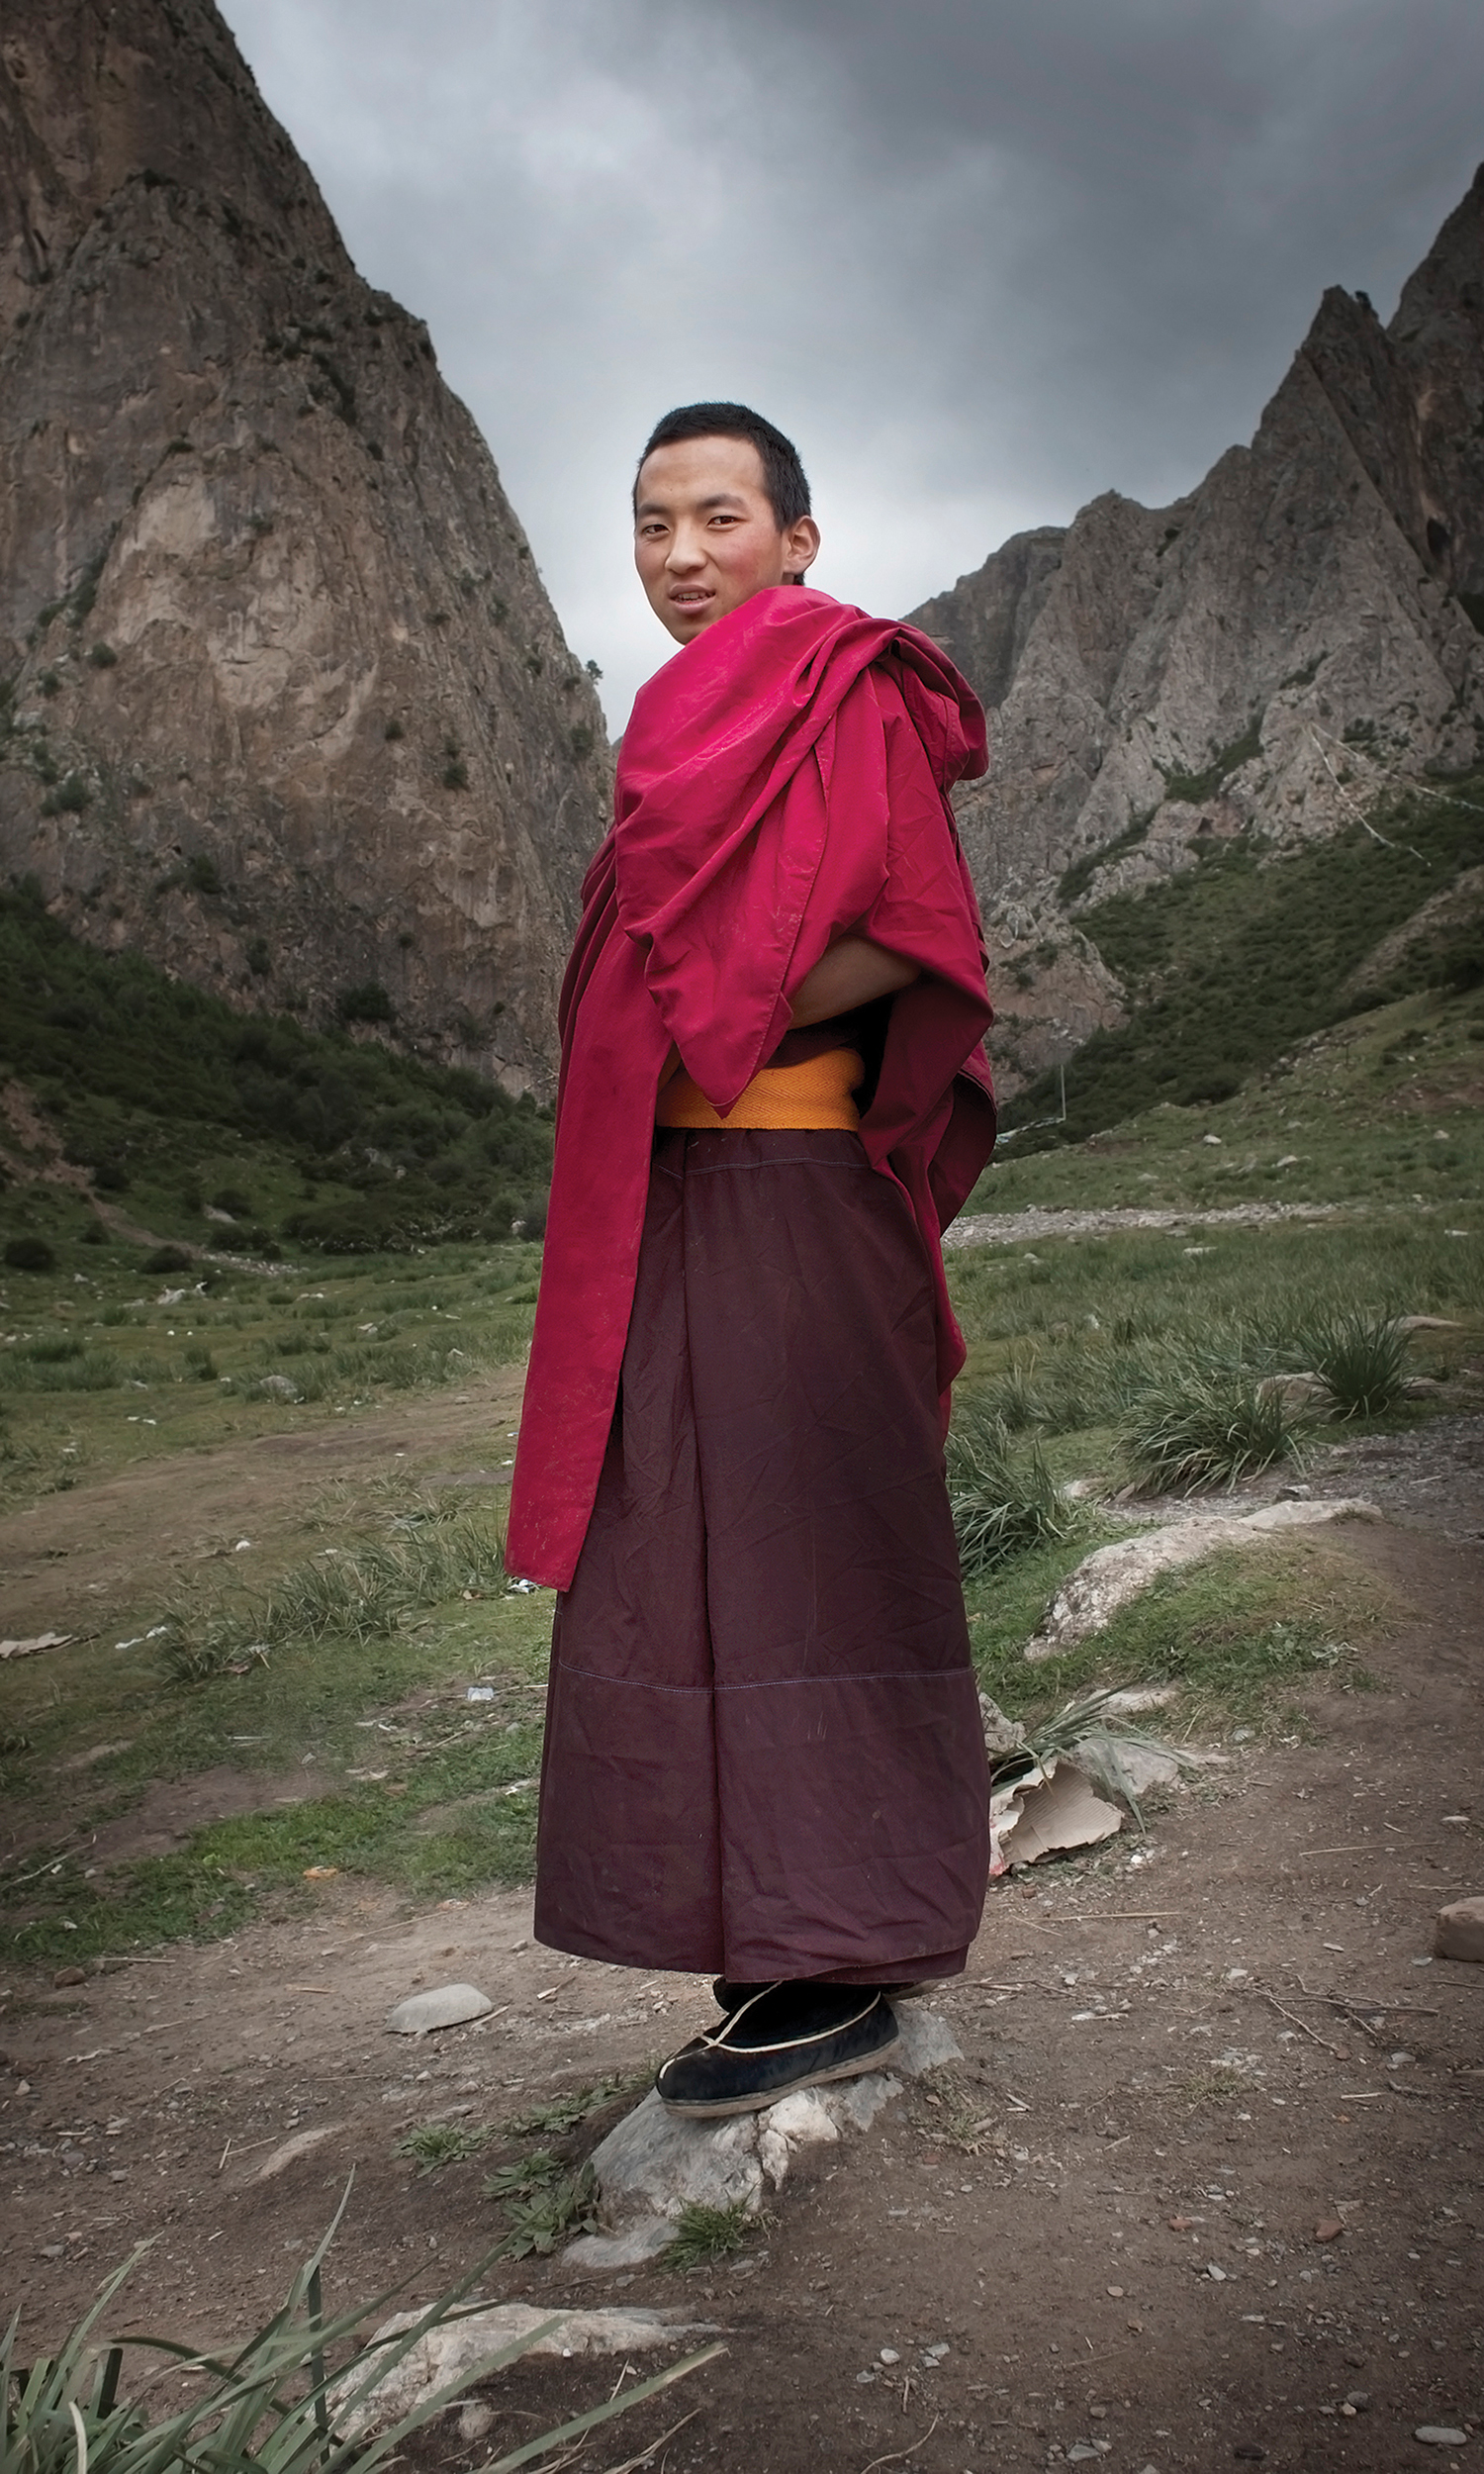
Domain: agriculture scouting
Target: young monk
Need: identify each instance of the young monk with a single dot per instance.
(764, 1756)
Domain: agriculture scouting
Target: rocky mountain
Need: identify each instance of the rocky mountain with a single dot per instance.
(1263, 657)
(286, 706)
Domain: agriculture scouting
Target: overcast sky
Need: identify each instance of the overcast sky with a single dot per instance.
(981, 258)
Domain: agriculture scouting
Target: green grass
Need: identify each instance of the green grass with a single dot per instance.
(421, 1787)
(434, 2145)
(1005, 1500)
(308, 1137)
(544, 2203)
(106, 1367)
(1227, 965)
(703, 2235)
(1203, 1414)
(1352, 1116)
(564, 2112)
(280, 2401)
(1234, 1633)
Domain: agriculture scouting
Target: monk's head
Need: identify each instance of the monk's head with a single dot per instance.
(722, 510)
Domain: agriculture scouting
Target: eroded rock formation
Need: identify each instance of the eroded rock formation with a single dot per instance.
(289, 709)
(1261, 656)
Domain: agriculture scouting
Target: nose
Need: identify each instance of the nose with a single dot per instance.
(687, 551)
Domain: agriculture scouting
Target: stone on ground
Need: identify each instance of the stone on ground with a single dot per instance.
(445, 2006)
(455, 2348)
(1111, 1576)
(1460, 1932)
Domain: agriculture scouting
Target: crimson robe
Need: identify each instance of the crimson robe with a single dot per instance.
(782, 781)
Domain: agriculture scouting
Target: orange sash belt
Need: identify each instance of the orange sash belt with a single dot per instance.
(812, 1097)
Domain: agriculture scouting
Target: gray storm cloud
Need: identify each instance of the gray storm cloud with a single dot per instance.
(983, 258)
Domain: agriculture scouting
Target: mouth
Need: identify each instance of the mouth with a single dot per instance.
(690, 597)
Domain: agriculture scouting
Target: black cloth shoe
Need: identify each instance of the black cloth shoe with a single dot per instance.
(782, 2036)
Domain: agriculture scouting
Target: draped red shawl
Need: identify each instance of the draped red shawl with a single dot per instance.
(783, 780)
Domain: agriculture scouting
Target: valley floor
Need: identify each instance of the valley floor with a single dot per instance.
(1187, 2062)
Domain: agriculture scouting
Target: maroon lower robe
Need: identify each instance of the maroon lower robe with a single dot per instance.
(764, 1756)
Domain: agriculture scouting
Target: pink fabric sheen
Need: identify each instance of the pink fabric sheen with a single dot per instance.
(783, 780)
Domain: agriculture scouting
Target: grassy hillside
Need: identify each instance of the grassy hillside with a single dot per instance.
(1382, 1110)
(180, 1109)
(1231, 964)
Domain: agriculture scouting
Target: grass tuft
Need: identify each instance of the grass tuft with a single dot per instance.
(272, 2406)
(564, 2113)
(546, 2203)
(435, 2144)
(1361, 1358)
(360, 1597)
(1203, 1418)
(707, 2235)
(1005, 1502)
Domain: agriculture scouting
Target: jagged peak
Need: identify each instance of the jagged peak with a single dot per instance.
(1450, 277)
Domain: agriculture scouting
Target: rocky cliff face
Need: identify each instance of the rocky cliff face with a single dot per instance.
(1263, 656)
(287, 708)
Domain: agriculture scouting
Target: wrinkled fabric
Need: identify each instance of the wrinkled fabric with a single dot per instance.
(764, 1754)
(782, 781)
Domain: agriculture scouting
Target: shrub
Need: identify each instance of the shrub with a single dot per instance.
(366, 1002)
(68, 798)
(1004, 1503)
(1206, 1418)
(393, 730)
(29, 1254)
(1361, 1358)
(167, 1259)
(202, 873)
(102, 656)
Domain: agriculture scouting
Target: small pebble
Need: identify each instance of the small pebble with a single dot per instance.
(888, 2354)
(1440, 2436)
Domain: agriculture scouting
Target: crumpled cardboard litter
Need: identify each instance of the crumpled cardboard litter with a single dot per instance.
(1050, 1807)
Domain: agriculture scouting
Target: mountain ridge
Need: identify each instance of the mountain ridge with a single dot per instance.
(288, 709)
(1265, 656)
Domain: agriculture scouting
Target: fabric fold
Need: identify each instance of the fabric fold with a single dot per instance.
(782, 782)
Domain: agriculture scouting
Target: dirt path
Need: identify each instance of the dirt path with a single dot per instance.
(1192, 2061)
(67, 1550)
(1018, 1228)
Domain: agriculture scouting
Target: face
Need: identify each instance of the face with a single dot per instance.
(705, 536)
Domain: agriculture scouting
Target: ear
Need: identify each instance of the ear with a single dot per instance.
(801, 548)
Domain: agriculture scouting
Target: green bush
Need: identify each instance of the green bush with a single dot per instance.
(167, 1259)
(68, 798)
(29, 1254)
(366, 1002)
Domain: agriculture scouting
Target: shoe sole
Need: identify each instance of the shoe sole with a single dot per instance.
(759, 2104)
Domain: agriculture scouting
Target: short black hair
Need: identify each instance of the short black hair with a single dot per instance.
(784, 476)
